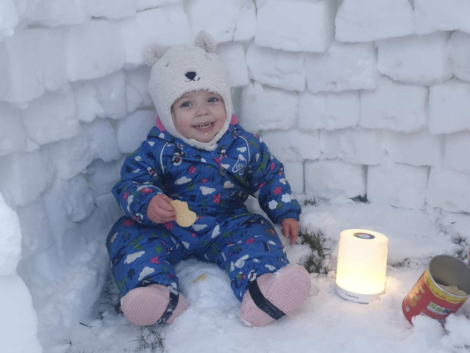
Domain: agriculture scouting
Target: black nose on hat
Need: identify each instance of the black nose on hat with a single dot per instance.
(191, 75)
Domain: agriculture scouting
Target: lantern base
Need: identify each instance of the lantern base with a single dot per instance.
(356, 297)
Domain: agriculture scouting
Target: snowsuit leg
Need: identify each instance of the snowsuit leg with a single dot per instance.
(142, 255)
(247, 247)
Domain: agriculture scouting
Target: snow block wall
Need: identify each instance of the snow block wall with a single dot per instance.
(356, 98)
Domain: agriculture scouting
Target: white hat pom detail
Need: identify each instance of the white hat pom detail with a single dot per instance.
(205, 41)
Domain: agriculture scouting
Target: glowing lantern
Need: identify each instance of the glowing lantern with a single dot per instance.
(362, 265)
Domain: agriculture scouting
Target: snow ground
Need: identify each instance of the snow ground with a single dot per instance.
(324, 323)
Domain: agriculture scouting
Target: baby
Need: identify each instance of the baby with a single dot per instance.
(197, 153)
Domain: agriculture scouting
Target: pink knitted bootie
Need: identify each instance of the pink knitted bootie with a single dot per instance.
(275, 295)
(145, 306)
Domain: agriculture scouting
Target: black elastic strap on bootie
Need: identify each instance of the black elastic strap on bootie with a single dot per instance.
(172, 304)
(263, 303)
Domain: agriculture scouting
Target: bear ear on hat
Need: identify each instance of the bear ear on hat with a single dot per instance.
(153, 53)
(205, 41)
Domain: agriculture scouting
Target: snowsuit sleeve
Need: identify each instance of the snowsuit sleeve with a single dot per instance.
(269, 185)
(141, 180)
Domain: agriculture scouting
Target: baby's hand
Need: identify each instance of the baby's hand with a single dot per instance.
(290, 229)
(159, 209)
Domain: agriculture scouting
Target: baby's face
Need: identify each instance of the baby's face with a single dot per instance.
(199, 115)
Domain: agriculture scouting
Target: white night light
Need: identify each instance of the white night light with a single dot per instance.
(362, 265)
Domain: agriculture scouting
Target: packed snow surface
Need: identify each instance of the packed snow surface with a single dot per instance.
(324, 323)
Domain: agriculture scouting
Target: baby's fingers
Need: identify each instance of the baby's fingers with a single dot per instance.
(294, 232)
(164, 203)
(165, 214)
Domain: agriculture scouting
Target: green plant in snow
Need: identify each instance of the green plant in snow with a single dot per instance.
(310, 202)
(316, 261)
(150, 340)
(461, 253)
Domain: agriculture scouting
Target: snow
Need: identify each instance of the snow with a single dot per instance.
(449, 190)
(344, 66)
(133, 130)
(36, 62)
(324, 321)
(78, 199)
(103, 141)
(293, 145)
(245, 22)
(217, 17)
(71, 156)
(433, 15)
(60, 209)
(8, 18)
(19, 332)
(415, 59)
(295, 174)
(458, 336)
(12, 135)
(51, 118)
(457, 151)
(406, 185)
(277, 68)
(111, 9)
(24, 177)
(357, 146)
(375, 109)
(418, 148)
(74, 291)
(265, 108)
(10, 242)
(233, 57)
(93, 49)
(137, 93)
(328, 111)
(51, 13)
(379, 108)
(459, 53)
(35, 228)
(449, 104)
(295, 25)
(368, 20)
(162, 26)
(111, 213)
(102, 176)
(3, 69)
(149, 4)
(334, 179)
(103, 98)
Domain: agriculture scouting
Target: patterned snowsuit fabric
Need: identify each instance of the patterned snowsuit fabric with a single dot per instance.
(215, 185)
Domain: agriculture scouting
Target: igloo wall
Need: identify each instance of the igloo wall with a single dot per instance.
(350, 95)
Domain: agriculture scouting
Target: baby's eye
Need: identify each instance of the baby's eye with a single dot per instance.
(185, 105)
(213, 100)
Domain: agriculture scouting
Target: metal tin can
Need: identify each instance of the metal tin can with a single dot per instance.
(429, 298)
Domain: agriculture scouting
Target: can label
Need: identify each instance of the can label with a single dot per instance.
(427, 298)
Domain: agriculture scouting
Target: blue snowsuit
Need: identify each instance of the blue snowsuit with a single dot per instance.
(215, 185)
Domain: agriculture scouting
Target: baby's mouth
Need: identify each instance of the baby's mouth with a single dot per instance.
(205, 126)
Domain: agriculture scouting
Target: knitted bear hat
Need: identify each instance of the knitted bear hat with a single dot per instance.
(183, 69)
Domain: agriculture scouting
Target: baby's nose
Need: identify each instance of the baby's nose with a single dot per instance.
(202, 109)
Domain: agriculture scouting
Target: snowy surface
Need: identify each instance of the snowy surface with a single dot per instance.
(295, 25)
(359, 98)
(324, 323)
(367, 20)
